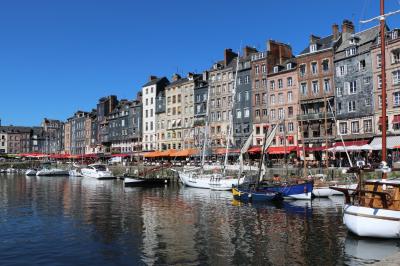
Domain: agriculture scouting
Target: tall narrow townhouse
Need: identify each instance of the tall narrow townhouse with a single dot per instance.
(152, 90)
(315, 77)
(200, 111)
(261, 65)
(392, 56)
(354, 86)
(135, 123)
(242, 106)
(220, 86)
(283, 108)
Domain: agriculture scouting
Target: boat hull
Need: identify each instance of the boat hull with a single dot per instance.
(145, 182)
(30, 172)
(372, 222)
(207, 181)
(53, 172)
(294, 191)
(97, 174)
(255, 196)
(323, 192)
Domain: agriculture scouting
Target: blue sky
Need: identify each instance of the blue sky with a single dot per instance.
(57, 57)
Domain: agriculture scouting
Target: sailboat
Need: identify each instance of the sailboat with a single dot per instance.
(373, 209)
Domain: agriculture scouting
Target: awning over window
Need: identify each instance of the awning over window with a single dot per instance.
(281, 150)
(391, 142)
(396, 120)
(254, 149)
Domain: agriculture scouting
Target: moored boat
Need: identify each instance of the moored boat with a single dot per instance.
(30, 172)
(255, 195)
(98, 171)
(52, 172)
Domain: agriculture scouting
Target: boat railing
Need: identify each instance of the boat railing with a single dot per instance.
(357, 196)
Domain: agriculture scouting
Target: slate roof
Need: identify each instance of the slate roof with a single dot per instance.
(323, 43)
(155, 81)
(365, 36)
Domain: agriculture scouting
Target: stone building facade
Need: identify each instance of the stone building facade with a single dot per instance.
(354, 85)
(152, 90)
(104, 107)
(220, 86)
(53, 131)
(392, 53)
(283, 107)
(315, 70)
(200, 111)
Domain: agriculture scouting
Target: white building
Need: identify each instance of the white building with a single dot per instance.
(153, 102)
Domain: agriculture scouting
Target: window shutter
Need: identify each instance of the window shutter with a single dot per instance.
(347, 88)
(338, 71)
(345, 69)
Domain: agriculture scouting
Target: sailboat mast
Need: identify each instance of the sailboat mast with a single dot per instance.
(205, 141)
(230, 131)
(326, 134)
(383, 79)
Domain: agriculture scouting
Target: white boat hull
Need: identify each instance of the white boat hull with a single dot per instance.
(302, 196)
(350, 186)
(207, 181)
(323, 192)
(371, 222)
(97, 174)
(74, 173)
(30, 172)
(52, 172)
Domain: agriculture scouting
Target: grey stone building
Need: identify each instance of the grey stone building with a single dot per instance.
(118, 128)
(354, 84)
(136, 123)
(78, 132)
(200, 110)
(53, 134)
(242, 106)
(104, 107)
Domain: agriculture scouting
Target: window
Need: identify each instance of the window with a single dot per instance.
(303, 87)
(289, 66)
(302, 70)
(341, 70)
(339, 92)
(257, 69)
(257, 130)
(257, 113)
(368, 101)
(367, 126)
(353, 87)
(361, 65)
(263, 68)
(280, 83)
(280, 98)
(257, 84)
(396, 77)
(378, 60)
(272, 114)
(339, 108)
(290, 111)
(395, 56)
(355, 127)
(272, 99)
(276, 69)
(327, 85)
(351, 51)
(314, 68)
(224, 115)
(289, 82)
(264, 98)
(264, 82)
(289, 96)
(272, 84)
(290, 127)
(238, 113)
(239, 97)
(313, 48)
(352, 106)
(281, 113)
(325, 65)
(247, 95)
(343, 128)
(246, 112)
(396, 98)
(380, 82)
(315, 87)
(281, 129)
(246, 79)
(265, 112)
(257, 98)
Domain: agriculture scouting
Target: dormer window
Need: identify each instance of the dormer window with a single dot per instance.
(276, 69)
(289, 65)
(353, 41)
(351, 51)
(394, 34)
(313, 48)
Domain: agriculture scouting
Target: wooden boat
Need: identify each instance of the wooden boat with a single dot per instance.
(255, 195)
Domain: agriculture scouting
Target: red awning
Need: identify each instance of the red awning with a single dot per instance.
(123, 155)
(221, 151)
(254, 149)
(311, 148)
(281, 150)
(396, 119)
(351, 143)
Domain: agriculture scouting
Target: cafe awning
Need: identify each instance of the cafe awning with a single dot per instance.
(281, 150)
(254, 149)
(222, 151)
(184, 153)
(391, 142)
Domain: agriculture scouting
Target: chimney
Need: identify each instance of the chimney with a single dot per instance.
(247, 50)
(335, 31)
(176, 77)
(347, 26)
(314, 39)
(151, 78)
(229, 55)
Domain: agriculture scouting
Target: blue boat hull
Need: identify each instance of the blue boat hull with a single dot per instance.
(262, 195)
(293, 191)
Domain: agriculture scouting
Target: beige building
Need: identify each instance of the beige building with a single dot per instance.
(67, 137)
(175, 125)
(3, 142)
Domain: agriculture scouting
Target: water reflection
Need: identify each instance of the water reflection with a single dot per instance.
(54, 220)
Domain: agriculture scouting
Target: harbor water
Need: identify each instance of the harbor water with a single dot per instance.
(83, 221)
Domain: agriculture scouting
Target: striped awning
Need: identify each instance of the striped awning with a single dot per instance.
(391, 142)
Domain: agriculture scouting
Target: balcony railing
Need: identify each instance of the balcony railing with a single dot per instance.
(317, 116)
